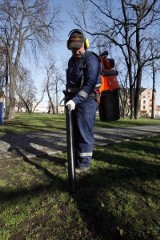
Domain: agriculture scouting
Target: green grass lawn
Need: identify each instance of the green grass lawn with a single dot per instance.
(25, 122)
(118, 199)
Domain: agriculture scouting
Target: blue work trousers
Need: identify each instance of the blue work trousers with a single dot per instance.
(83, 122)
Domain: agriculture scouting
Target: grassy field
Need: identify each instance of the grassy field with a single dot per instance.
(118, 199)
(25, 122)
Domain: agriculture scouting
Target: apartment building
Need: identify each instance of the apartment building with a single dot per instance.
(145, 102)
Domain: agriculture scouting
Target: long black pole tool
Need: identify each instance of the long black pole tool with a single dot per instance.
(70, 151)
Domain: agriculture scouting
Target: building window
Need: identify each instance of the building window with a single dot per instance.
(144, 107)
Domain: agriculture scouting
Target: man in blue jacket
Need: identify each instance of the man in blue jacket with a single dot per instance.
(83, 80)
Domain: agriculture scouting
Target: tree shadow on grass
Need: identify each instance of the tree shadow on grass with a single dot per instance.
(92, 194)
(54, 181)
(123, 176)
(35, 144)
(24, 147)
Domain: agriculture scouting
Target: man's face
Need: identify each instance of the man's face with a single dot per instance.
(78, 52)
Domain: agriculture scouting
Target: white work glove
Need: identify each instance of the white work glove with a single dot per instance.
(71, 105)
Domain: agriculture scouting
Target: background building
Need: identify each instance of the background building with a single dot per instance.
(145, 103)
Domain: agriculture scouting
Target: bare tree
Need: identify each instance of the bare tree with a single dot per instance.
(124, 96)
(22, 23)
(2, 70)
(39, 100)
(50, 71)
(54, 82)
(129, 26)
(26, 91)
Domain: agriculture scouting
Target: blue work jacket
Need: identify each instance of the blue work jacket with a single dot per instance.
(83, 76)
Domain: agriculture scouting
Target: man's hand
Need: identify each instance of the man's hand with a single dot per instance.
(71, 105)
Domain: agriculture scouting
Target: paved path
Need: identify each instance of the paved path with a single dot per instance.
(13, 146)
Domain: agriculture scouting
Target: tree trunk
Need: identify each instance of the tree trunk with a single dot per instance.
(11, 109)
(56, 98)
(137, 93)
(51, 102)
(136, 100)
(153, 95)
(10, 112)
(131, 102)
